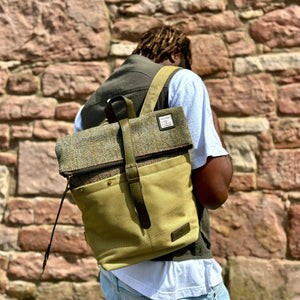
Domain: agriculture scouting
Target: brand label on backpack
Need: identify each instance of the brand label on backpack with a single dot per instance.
(165, 122)
(181, 231)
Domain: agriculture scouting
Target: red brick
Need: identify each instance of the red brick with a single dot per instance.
(243, 182)
(253, 3)
(67, 111)
(21, 131)
(28, 266)
(279, 28)
(4, 137)
(294, 229)
(19, 212)
(3, 78)
(250, 95)
(46, 211)
(132, 29)
(220, 22)
(76, 81)
(211, 53)
(14, 108)
(279, 169)
(288, 99)
(54, 31)
(51, 130)
(38, 170)
(8, 238)
(66, 240)
(242, 48)
(286, 133)
(249, 224)
(22, 84)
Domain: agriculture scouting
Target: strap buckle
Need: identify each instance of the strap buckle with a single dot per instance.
(132, 173)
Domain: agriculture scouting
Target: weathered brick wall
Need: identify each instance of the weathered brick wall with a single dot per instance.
(55, 53)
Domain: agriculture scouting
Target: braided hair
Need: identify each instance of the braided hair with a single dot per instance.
(160, 42)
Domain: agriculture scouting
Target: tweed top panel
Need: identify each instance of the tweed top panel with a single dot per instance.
(102, 147)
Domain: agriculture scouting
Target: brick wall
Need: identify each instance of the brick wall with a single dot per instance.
(54, 54)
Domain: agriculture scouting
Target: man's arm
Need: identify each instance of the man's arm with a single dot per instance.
(211, 182)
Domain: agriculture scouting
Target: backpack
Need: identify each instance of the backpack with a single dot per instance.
(131, 179)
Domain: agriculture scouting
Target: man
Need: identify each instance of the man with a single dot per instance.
(190, 273)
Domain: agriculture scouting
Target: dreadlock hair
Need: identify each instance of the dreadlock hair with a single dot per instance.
(160, 42)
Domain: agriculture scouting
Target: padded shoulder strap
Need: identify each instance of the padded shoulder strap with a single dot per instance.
(155, 88)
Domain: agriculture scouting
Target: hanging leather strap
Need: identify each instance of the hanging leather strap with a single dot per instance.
(132, 174)
(47, 253)
(156, 87)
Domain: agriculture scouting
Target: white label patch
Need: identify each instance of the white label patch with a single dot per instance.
(166, 121)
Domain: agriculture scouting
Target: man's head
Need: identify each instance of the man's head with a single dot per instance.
(165, 45)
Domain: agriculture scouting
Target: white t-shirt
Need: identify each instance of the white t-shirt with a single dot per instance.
(170, 280)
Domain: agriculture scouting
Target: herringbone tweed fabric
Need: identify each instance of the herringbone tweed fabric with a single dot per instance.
(100, 149)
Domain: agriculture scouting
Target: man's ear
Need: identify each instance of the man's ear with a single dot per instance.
(176, 57)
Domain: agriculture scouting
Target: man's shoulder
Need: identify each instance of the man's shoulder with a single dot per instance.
(183, 76)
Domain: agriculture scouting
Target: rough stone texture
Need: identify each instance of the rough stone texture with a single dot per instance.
(267, 63)
(28, 266)
(22, 84)
(294, 227)
(53, 30)
(147, 7)
(250, 95)
(243, 182)
(66, 240)
(71, 291)
(279, 169)
(280, 28)
(38, 169)
(242, 151)
(286, 133)
(22, 290)
(8, 238)
(54, 54)
(255, 220)
(8, 159)
(74, 81)
(247, 125)
(21, 131)
(253, 3)
(51, 130)
(3, 78)
(253, 278)
(210, 22)
(46, 211)
(67, 111)
(211, 53)
(288, 99)
(13, 108)
(19, 212)
(122, 49)
(4, 137)
(4, 188)
(241, 48)
(132, 29)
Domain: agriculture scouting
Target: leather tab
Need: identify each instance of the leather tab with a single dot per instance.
(109, 109)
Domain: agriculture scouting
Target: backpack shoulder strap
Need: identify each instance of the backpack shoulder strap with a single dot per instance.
(155, 88)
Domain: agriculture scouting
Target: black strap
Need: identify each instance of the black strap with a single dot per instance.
(54, 226)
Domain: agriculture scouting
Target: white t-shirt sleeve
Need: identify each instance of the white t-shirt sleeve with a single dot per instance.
(186, 89)
(77, 122)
